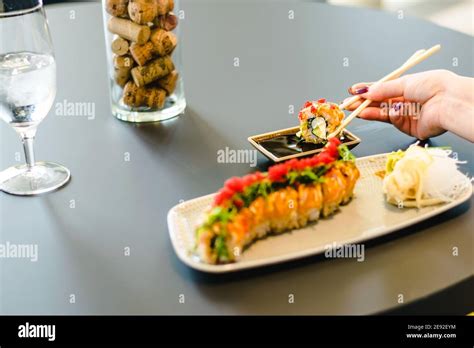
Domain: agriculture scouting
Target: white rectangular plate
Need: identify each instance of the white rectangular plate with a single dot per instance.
(366, 217)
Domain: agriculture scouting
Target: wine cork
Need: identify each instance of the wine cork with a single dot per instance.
(164, 42)
(122, 76)
(142, 11)
(166, 22)
(164, 6)
(120, 46)
(168, 83)
(142, 53)
(156, 69)
(129, 30)
(117, 8)
(124, 62)
(134, 96)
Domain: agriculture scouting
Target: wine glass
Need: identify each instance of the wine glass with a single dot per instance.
(27, 91)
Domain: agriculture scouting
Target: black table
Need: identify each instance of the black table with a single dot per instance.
(112, 204)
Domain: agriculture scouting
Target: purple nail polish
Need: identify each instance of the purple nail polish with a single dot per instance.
(397, 106)
(361, 90)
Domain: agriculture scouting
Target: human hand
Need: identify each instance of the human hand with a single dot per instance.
(422, 105)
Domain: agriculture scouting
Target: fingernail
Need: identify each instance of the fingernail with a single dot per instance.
(361, 90)
(395, 109)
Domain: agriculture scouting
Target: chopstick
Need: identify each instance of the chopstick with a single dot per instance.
(388, 77)
(410, 63)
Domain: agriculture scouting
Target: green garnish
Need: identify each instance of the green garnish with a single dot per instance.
(345, 153)
(221, 248)
(264, 188)
(308, 176)
(392, 159)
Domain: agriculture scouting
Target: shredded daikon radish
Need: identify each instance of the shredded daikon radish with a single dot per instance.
(423, 177)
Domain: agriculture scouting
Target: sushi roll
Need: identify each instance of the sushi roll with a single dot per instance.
(318, 119)
(289, 196)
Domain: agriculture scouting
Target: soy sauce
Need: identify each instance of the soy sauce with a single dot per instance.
(290, 144)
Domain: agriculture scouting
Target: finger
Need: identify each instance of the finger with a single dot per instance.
(418, 87)
(386, 90)
(359, 88)
(356, 104)
(405, 109)
(374, 114)
(392, 115)
(385, 103)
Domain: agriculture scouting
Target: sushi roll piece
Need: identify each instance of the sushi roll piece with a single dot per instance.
(318, 119)
(289, 196)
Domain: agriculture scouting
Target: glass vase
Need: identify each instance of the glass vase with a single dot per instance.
(144, 59)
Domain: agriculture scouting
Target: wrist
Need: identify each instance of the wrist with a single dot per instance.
(456, 112)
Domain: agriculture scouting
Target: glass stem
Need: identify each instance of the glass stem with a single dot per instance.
(29, 151)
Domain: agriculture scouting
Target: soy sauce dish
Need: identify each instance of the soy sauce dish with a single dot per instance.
(284, 144)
